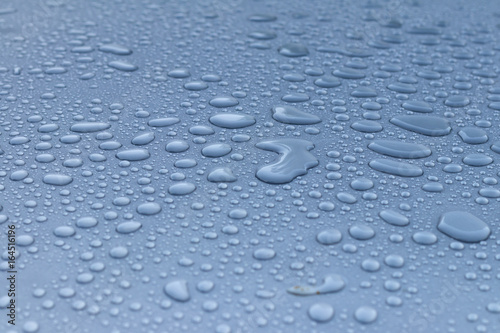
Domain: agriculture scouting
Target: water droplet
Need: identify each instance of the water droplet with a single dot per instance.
(294, 116)
(133, 155)
(123, 66)
(86, 222)
(331, 284)
(329, 237)
(182, 188)
(361, 232)
(223, 101)
(118, 252)
(463, 226)
(426, 125)
(149, 208)
(473, 135)
(143, 139)
(457, 101)
(163, 122)
(57, 179)
(128, 227)
(477, 160)
(177, 146)
(216, 150)
(321, 312)
(400, 149)
(232, 120)
(115, 49)
(396, 168)
(361, 184)
(365, 314)
(367, 126)
(294, 160)
(177, 290)
(417, 106)
(394, 218)
(86, 127)
(424, 238)
(293, 50)
(221, 175)
(264, 254)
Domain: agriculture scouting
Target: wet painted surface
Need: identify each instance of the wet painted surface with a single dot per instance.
(251, 166)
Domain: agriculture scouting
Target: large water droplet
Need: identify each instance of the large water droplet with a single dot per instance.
(463, 226)
(294, 160)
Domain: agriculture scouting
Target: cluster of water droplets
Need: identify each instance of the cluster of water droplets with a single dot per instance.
(252, 167)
